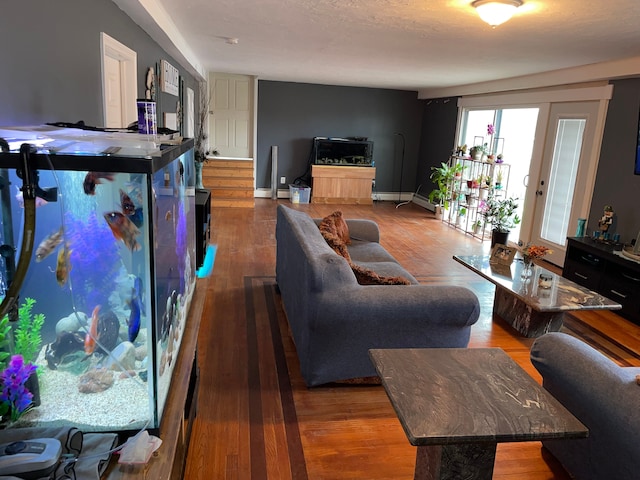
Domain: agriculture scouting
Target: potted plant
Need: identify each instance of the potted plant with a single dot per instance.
(477, 227)
(501, 214)
(443, 177)
(499, 179)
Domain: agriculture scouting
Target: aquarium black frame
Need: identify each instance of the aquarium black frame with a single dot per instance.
(101, 162)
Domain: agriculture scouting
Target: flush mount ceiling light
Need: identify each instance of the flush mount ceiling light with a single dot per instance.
(496, 12)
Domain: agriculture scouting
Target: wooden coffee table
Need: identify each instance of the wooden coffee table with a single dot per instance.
(528, 308)
(457, 404)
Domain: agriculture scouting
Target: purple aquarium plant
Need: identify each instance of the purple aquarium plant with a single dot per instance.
(15, 398)
(94, 257)
(181, 244)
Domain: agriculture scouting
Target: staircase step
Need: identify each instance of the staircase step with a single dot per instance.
(235, 164)
(222, 192)
(233, 202)
(213, 182)
(231, 182)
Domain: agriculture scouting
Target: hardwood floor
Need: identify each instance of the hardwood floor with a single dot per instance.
(346, 432)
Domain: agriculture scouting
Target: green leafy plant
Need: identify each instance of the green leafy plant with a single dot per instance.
(500, 213)
(443, 177)
(27, 332)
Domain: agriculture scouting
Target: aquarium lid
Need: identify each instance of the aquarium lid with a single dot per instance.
(75, 143)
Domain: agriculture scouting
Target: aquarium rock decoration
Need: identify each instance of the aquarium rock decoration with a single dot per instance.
(95, 381)
(68, 346)
(15, 398)
(71, 323)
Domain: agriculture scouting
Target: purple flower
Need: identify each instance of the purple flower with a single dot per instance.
(490, 129)
(14, 394)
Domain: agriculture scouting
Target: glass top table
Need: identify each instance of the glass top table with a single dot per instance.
(525, 304)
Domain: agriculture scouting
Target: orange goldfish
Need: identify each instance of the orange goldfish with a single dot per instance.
(92, 335)
(123, 229)
(63, 266)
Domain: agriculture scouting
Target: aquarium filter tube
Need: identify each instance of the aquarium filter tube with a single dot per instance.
(30, 190)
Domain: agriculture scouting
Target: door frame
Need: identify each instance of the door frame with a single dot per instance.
(543, 100)
(110, 47)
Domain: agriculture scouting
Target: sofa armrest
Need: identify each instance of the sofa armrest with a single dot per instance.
(602, 395)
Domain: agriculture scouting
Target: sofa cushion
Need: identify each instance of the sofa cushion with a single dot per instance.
(364, 252)
(366, 276)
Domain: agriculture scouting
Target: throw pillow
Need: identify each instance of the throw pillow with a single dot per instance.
(365, 276)
(341, 227)
(336, 224)
(333, 228)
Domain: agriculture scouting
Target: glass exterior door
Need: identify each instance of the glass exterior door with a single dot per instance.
(568, 148)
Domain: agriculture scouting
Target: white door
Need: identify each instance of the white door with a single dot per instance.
(231, 126)
(112, 93)
(119, 82)
(565, 184)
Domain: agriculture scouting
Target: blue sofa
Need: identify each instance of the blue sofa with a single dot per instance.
(603, 396)
(334, 320)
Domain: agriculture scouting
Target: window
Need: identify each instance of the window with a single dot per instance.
(513, 137)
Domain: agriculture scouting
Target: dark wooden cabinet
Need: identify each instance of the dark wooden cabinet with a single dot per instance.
(596, 266)
(203, 224)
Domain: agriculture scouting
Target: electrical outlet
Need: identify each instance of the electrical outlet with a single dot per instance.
(283, 180)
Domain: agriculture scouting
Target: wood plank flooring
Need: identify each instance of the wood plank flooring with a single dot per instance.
(345, 432)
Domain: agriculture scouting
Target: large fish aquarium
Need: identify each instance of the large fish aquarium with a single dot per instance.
(97, 272)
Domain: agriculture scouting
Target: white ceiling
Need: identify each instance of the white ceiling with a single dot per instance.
(425, 45)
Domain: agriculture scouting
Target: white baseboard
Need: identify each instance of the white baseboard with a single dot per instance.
(376, 196)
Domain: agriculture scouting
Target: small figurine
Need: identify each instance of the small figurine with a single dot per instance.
(607, 219)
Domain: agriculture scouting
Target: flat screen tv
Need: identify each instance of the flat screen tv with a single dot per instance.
(343, 151)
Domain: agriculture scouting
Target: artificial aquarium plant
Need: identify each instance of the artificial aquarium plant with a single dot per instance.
(15, 397)
(5, 331)
(27, 331)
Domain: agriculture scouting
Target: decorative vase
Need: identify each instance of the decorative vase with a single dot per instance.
(199, 175)
(499, 237)
(527, 266)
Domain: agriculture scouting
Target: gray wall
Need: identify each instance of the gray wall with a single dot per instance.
(438, 136)
(290, 115)
(616, 184)
(51, 60)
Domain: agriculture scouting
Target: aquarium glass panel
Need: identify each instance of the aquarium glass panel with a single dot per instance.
(105, 298)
